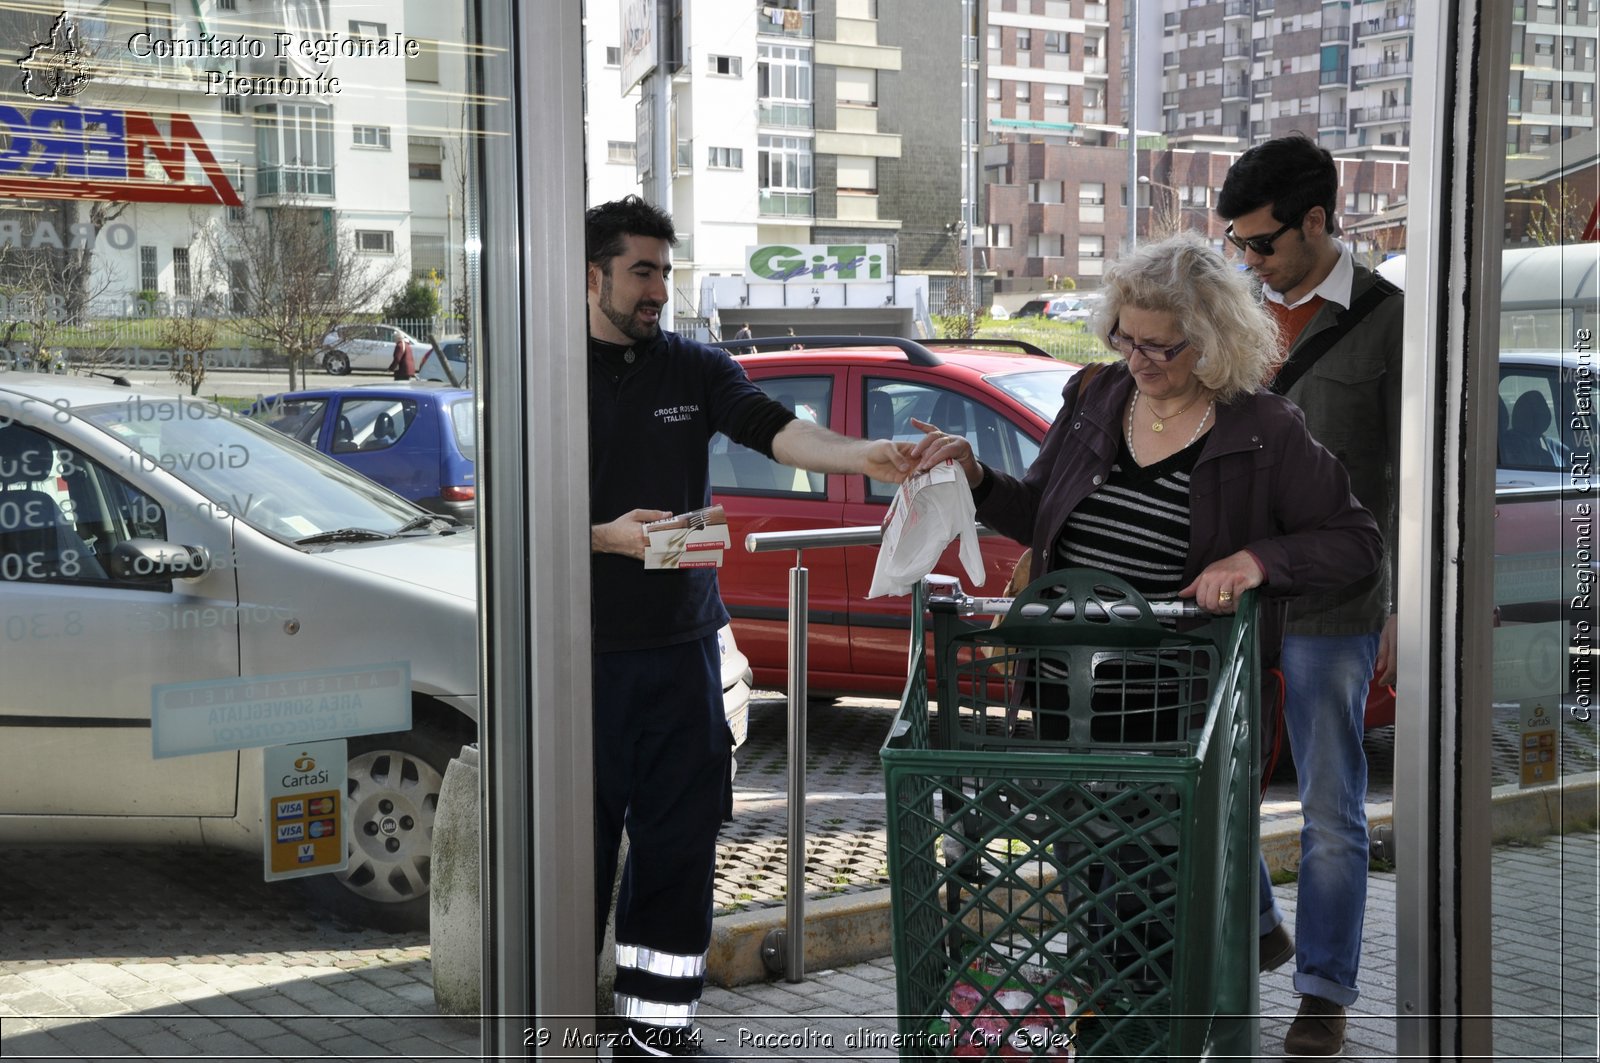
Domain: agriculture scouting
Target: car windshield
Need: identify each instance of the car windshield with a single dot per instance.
(1037, 389)
(466, 427)
(269, 481)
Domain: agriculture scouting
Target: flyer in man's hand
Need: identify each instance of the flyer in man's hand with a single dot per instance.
(687, 540)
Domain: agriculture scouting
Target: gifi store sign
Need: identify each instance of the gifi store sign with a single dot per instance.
(816, 262)
(61, 151)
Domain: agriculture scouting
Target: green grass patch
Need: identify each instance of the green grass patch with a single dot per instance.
(1283, 876)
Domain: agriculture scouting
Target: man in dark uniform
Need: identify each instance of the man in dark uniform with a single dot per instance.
(662, 746)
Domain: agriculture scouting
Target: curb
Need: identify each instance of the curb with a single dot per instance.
(852, 929)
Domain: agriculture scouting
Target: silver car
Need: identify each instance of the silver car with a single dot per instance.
(148, 540)
(366, 347)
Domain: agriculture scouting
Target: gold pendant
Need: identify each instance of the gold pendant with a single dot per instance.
(1156, 426)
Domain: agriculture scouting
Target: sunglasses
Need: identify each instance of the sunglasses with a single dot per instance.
(1123, 344)
(1261, 245)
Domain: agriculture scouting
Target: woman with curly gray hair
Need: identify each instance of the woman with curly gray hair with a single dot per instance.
(1172, 467)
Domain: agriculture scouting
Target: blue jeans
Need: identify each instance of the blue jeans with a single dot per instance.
(1326, 679)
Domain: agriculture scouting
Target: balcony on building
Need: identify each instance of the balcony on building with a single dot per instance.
(1525, 12)
(1245, 9)
(1360, 116)
(295, 182)
(792, 19)
(1097, 13)
(1382, 71)
(1261, 47)
(1235, 89)
(1265, 7)
(1236, 50)
(784, 114)
(1331, 120)
(780, 204)
(1401, 23)
(1339, 75)
(1335, 31)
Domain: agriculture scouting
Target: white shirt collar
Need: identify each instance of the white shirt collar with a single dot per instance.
(1335, 287)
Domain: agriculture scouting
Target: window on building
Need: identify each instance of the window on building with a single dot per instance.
(1538, 136)
(1000, 235)
(425, 158)
(1044, 192)
(227, 5)
(783, 72)
(149, 276)
(621, 152)
(232, 105)
(1091, 47)
(856, 86)
(1091, 247)
(361, 28)
(992, 88)
(1542, 91)
(994, 37)
(1024, 91)
(294, 149)
(1044, 245)
(425, 65)
(1024, 40)
(724, 158)
(182, 285)
(726, 65)
(370, 136)
(375, 241)
(785, 164)
(1056, 41)
(1055, 94)
(858, 175)
(1092, 193)
(613, 55)
(428, 254)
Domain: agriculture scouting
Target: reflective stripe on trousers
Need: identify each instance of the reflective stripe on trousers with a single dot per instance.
(654, 1012)
(665, 964)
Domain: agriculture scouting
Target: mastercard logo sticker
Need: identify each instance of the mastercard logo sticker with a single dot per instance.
(319, 806)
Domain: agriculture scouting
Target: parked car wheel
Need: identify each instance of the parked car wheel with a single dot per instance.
(393, 793)
(336, 363)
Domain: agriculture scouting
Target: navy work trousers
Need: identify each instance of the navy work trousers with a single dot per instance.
(662, 769)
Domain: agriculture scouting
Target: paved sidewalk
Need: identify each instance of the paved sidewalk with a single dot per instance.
(126, 961)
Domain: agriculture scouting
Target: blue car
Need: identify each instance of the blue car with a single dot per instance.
(417, 439)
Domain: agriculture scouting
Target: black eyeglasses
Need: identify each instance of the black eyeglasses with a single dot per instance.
(1123, 344)
(1261, 245)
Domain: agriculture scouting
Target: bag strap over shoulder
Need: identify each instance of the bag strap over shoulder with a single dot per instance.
(1301, 361)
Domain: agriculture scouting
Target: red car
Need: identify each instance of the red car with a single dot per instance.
(1002, 395)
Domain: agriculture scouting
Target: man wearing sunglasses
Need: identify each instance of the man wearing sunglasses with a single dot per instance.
(1279, 198)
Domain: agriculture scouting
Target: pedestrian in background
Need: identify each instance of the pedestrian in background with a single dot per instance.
(403, 363)
(1340, 328)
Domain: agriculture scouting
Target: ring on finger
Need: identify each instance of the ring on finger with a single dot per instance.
(1224, 596)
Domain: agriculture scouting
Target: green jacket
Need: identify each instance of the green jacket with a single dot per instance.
(1351, 399)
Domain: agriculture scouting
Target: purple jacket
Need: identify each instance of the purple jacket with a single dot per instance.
(1261, 483)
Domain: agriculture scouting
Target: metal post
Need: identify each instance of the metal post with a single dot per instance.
(795, 916)
(1132, 73)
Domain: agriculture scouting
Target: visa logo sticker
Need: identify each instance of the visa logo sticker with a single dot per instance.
(295, 809)
(291, 832)
(306, 853)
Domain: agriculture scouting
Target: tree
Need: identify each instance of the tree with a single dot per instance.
(49, 285)
(1555, 215)
(190, 336)
(417, 301)
(292, 274)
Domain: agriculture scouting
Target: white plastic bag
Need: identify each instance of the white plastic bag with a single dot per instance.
(928, 511)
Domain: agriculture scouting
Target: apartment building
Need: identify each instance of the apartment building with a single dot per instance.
(815, 126)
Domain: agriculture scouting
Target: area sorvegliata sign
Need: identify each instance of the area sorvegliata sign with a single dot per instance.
(814, 263)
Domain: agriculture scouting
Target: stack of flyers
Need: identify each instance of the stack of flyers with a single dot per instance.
(689, 540)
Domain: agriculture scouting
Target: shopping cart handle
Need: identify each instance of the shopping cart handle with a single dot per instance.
(945, 595)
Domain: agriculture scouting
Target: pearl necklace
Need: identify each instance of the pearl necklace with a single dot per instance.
(1158, 424)
(1204, 417)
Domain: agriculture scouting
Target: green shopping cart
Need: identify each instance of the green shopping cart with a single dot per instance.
(1072, 827)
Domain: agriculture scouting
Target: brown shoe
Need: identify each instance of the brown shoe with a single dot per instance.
(1317, 1031)
(1275, 948)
